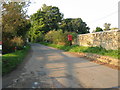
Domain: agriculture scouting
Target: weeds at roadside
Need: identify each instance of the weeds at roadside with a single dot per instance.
(12, 60)
(76, 48)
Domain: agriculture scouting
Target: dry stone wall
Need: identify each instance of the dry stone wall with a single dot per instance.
(108, 39)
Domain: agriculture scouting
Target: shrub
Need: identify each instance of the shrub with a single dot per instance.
(98, 29)
(7, 46)
(10, 44)
(49, 36)
(17, 41)
(58, 37)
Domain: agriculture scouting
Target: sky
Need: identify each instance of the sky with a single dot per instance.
(94, 12)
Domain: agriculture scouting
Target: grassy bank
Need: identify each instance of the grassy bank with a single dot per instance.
(76, 48)
(12, 60)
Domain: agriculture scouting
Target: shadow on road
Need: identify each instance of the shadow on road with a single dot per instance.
(52, 68)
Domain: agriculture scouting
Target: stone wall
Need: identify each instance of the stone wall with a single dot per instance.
(107, 39)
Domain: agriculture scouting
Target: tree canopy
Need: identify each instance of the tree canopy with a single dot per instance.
(107, 26)
(14, 24)
(98, 29)
(74, 25)
(47, 18)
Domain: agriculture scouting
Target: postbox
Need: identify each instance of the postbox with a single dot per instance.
(69, 37)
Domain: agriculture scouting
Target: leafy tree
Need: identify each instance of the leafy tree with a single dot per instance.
(52, 16)
(47, 18)
(14, 24)
(107, 26)
(98, 29)
(74, 25)
(66, 24)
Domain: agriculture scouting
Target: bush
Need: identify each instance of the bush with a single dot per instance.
(50, 36)
(98, 29)
(6, 46)
(58, 37)
(17, 41)
(10, 44)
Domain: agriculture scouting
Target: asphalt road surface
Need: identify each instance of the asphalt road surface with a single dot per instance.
(46, 67)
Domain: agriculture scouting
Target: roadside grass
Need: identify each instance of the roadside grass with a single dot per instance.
(95, 50)
(12, 60)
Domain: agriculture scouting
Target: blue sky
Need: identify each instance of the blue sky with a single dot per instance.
(93, 12)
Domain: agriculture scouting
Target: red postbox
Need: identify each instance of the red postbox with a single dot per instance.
(69, 37)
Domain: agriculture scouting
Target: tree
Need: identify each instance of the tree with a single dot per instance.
(98, 29)
(14, 24)
(52, 16)
(74, 25)
(107, 26)
(47, 18)
(66, 25)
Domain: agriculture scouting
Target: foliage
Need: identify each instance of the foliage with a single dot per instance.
(74, 25)
(73, 34)
(12, 60)
(40, 37)
(55, 37)
(107, 26)
(17, 41)
(59, 37)
(35, 36)
(52, 16)
(50, 36)
(114, 28)
(98, 29)
(76, 48)
(14, 24)
(46, 19)
(49, 18)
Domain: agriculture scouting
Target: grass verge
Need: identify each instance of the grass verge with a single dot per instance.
(12, 60)
(95, 50)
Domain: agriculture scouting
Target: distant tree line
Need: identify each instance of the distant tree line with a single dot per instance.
(106, 28)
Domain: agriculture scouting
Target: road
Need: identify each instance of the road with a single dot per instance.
(46, 67)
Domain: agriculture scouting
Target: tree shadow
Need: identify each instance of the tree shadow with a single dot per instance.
(59, 66)
(57, 61)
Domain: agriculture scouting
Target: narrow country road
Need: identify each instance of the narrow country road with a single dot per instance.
(46, 67)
